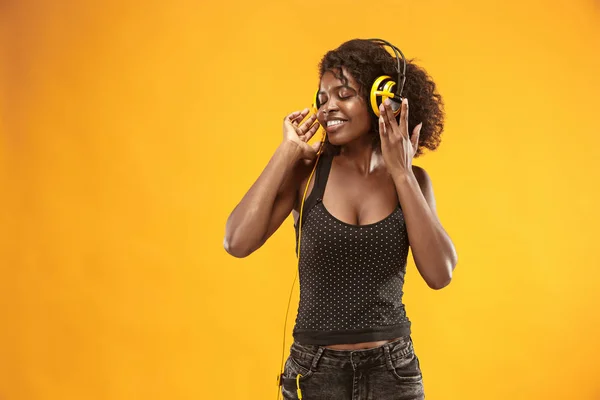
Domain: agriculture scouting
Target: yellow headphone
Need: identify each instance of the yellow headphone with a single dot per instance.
(381, 89)
(383, 86)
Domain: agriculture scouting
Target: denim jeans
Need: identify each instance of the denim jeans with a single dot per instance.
(390, 371)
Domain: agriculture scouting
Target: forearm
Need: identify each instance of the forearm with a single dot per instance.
(432, 249)
(249, 221)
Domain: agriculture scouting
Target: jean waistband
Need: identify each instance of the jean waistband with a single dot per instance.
(355, 359)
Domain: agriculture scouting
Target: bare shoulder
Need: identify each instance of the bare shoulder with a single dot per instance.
(421, 175)
(425, 184)
(302, 174)
(303, 170)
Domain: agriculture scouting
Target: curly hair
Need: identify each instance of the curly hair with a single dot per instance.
(365, 61)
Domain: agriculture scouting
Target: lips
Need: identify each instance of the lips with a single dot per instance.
(335, 124)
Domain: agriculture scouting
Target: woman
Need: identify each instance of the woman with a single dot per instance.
(360, 212)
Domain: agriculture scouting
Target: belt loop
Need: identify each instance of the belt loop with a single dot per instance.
(388, 357)
(316, 358)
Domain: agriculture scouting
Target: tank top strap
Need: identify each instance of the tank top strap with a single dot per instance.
(316, 194)
(321, 176)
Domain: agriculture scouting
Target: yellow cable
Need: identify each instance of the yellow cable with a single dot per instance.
(296, 273)
(298, 386)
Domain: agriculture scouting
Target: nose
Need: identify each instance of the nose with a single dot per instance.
(330, 106)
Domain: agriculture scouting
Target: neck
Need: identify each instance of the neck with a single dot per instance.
(361, 155)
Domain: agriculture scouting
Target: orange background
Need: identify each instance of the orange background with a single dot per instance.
(129, 130)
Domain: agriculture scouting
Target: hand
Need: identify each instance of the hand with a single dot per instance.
(397, 147)
(300, 134)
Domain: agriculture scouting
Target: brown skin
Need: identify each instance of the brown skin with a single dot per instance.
(364, 185)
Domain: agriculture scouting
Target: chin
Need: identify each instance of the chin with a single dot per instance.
(343, 138)
(338, 141)
(334, 140)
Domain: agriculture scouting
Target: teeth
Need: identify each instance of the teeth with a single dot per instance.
(335, 122)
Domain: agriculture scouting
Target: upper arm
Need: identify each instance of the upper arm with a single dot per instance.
(286, 199)
(426, 186)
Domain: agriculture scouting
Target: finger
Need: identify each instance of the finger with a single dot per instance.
(301, 116)
(293, 115)
(297, 116)
(414, 139)
(404, 117)
(311, 132)
(304, 131)
(308, 120)
(289, 119)
(306, 125)
(392, 118)
(415, 134)
(387, 115)
(297, 120)
(382, 130)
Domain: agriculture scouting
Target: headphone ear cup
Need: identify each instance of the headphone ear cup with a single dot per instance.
(315, 104)
(382, 89)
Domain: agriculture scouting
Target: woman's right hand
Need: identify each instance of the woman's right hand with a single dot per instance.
(300, 133)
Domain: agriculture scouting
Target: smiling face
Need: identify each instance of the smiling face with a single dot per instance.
(343, 110)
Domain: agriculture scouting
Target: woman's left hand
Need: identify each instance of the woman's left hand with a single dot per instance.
(397, 147)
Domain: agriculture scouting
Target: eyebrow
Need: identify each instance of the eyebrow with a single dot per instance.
(338, 87)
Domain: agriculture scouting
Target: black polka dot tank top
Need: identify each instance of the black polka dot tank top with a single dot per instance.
(351, 276)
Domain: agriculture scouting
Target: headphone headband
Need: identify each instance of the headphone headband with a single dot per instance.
(399, 56)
